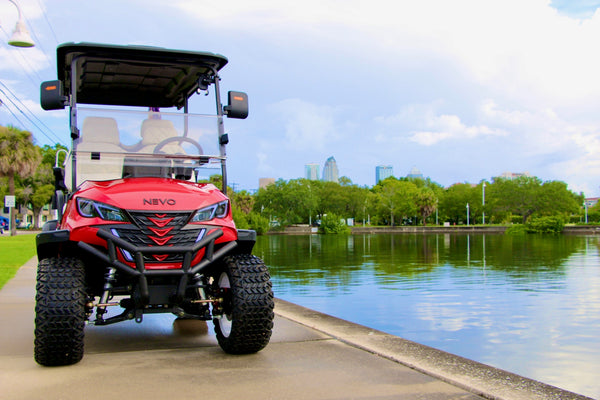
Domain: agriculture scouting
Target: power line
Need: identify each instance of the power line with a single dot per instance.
(12, 113)
(38, 42)
(32, 113)
(55, 139)
(48, 22)
(25, 115)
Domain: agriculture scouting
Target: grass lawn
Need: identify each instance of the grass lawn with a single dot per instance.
(14, 252)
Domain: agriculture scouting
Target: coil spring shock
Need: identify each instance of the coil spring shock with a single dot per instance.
(109, 279)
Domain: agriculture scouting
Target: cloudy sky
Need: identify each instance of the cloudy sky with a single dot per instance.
(463, 90)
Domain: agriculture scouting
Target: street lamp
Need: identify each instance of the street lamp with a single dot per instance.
(20, 36)
(483, 202)
(467, 214)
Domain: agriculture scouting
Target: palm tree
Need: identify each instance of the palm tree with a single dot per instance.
(18, 156)
(426, 203)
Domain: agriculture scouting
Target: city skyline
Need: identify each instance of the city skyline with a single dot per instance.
(414, 172)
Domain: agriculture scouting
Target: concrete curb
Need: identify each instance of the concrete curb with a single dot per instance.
(480, 379)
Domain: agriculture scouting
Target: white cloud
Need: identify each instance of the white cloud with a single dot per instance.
(518, 48)
(445, 127)
(23, 61)
(306, 126)
(424, 126)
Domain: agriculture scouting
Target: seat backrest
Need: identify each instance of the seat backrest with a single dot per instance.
(99, 134)
(155, 131)
(100, 155)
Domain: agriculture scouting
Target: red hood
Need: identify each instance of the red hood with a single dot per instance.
(151, 194)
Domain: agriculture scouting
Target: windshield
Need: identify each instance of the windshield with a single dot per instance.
(117, 144)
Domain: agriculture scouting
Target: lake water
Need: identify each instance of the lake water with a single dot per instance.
(529, 305)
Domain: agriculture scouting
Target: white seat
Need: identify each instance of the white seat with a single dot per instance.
(155, 131)
(99, 134)
(100, 155)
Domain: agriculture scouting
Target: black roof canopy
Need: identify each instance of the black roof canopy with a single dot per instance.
(134, 75)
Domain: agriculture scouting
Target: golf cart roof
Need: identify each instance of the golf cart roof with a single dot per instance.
(134, 75)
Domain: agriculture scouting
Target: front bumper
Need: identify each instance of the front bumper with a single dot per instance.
(140, 271)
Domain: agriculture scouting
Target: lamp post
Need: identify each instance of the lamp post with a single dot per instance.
(20, 36)
(483, 202)
(467, 214)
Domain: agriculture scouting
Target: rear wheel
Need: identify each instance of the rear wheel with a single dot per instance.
(59, 311)
(247, 320)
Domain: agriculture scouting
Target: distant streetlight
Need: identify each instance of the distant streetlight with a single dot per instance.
(467, 214)
(483, 202)
(20, 36)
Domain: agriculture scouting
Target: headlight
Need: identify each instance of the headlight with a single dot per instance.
(218, 210)
(94, 209)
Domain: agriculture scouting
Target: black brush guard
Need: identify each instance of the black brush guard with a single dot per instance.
(141, 273)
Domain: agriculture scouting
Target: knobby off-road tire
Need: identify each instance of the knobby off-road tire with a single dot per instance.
(59, 311)
(247, 322)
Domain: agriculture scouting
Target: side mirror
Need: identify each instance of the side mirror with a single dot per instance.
(51, 96)
(237, 106)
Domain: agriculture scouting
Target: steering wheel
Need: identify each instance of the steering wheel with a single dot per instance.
(177, 139)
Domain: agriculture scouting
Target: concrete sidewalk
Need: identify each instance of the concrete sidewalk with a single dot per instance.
(311, 356)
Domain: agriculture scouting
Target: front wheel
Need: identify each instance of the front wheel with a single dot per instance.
(59, 311)
(246, 321)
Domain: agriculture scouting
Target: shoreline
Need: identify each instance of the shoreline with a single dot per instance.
(456, 229)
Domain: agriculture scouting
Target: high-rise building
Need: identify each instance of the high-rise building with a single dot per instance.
(415, 173)
(264, 182)
(311, 171)
(382, 172)
(330, 171)
(514, 175)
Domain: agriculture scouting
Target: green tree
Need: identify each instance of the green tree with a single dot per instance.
(18, 156)
(243, 200)
(288, 203)
(396, 199)
(242, 207)
(453, 202)
(556, 199)
(333, 198)
(517, 196)
(41, 183)
(528, 196)
(426, 202)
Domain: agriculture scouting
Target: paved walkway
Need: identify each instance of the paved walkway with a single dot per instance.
(311, 356)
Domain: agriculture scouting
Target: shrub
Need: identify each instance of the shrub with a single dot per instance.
(551, 224)
(259, 223)
(240, 218)
(332, 223)
(515, 230)
(253, 221)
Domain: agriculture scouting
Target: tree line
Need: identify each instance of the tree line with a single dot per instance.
(414, 201)
(26, 172)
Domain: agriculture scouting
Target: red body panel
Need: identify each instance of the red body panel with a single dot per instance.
(148, 195)
(161, 194)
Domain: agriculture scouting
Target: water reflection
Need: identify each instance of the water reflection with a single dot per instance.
(530, 305)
